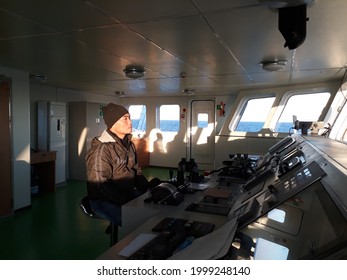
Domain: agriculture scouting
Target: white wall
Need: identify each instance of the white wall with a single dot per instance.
(20, 97)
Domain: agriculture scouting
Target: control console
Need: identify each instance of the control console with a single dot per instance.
(173, 235)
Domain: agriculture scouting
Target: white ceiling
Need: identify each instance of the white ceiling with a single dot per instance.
(85, 45)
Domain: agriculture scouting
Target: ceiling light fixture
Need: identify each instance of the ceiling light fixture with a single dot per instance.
(120, 93)
(38, 78)
(274, 65)
(189, 91)
(134, 71)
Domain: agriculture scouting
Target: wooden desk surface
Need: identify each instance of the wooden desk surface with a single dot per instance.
(42, 156)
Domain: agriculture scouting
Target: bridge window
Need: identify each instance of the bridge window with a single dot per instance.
(138, 118)
(202, 120)
(306, 107)
(168, 118)
(254, 114)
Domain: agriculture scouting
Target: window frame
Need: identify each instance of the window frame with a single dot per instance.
(283, 103)
(138, 133)
(158, 118)
(233, 124)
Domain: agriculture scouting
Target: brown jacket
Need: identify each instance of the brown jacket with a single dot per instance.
(111, 168)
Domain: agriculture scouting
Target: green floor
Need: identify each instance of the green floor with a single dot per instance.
(54, 228)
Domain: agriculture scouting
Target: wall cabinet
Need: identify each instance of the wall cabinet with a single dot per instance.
(6, 205)
(85, 123)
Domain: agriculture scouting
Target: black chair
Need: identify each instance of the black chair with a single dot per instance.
(112, 229)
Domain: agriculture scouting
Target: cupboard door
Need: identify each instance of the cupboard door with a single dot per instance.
(5, 152)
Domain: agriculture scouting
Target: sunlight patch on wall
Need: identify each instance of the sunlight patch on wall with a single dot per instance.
(82, 141)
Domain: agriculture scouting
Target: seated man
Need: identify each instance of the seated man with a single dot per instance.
(113, 176)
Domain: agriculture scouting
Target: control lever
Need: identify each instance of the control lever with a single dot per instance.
(273, 199)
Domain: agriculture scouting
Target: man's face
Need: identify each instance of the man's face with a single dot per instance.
(123, 126)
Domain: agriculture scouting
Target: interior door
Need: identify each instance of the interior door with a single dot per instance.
(202, 133)
(5, 151)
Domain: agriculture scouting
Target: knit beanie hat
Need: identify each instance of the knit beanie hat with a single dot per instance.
(112, 113)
